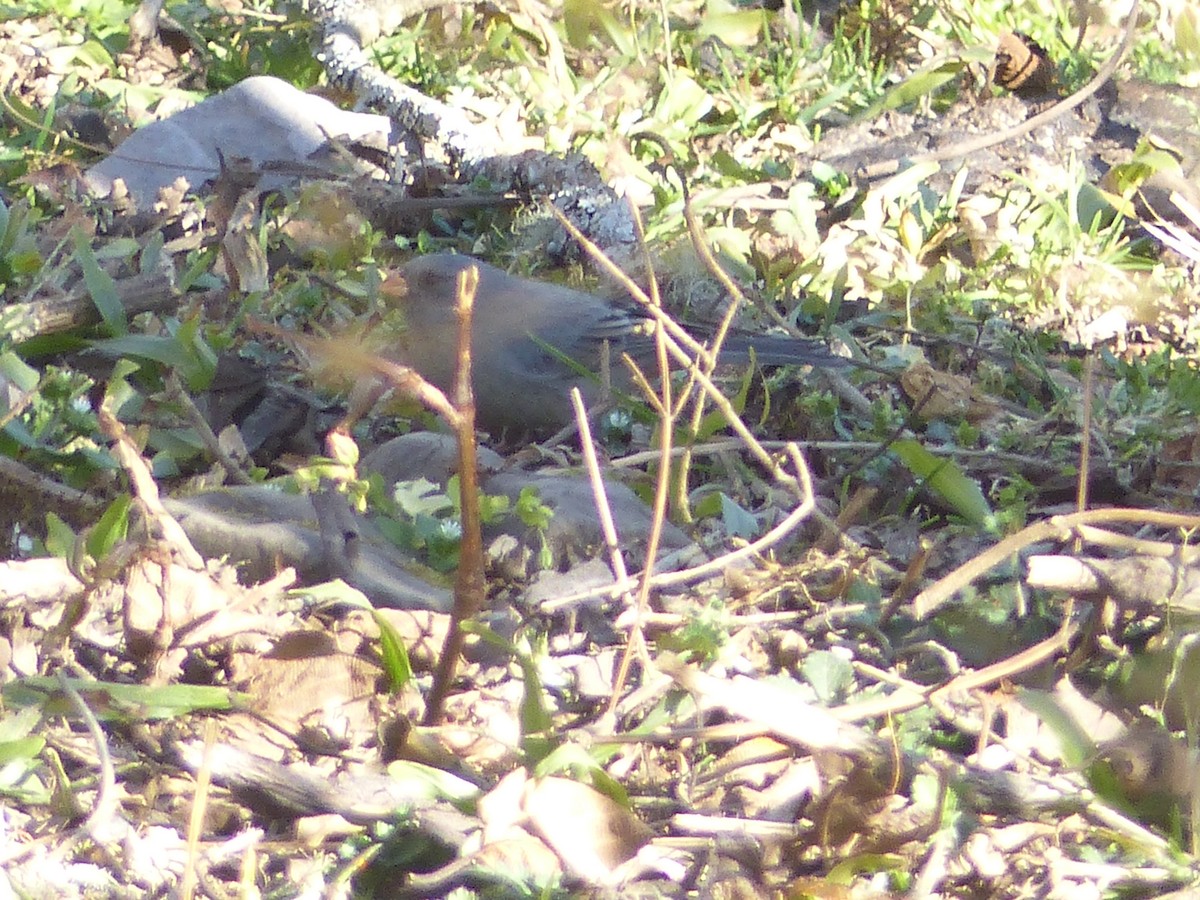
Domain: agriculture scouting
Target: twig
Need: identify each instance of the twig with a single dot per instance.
(141, 480)
(106, 798)
(591, 464)
(637, 640)
(187, 881)
(675, 339)
(1085, 439)
(1057, 528)
(210, 440)
(755, 548)
(140, 293)
(668, 413)
(470, 586)
(721, 563)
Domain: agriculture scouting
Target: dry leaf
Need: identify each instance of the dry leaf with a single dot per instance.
(590, 832)
(944, 396)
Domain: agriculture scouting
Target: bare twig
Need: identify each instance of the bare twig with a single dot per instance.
(187, 881)
(76, 507)
(668, 412)
(1057, 528)
(470, 588)
(106, 804)
(212, 443)
(591, 464)
(1085, 440)
(145, 490)
(675, 340)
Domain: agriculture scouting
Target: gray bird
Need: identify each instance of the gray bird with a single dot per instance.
(521, 383)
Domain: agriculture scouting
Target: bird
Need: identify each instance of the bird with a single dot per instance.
(524, 332)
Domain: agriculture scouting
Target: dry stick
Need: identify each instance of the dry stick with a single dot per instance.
(637, 639)
(19, 405)
(705, 361)
(592, 465)
(668, 412)
(142, 484)
(1058, 527)
(187, 882)
(1185, 555)
(721, 563)
(470, 586)
(137, 294)
(721, 445)
(675, 340)
(800, 485)
(906, 699)
(1081, 10)
(106, 803)
(77, 507)
(690, 346)
(803, 482)
(204, 431)
(709, 362)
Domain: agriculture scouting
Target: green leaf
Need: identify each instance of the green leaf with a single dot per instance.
(19, 725)
(702, 636)
(585, 19)
(111, 528)
(919, 85)
(150, 257)
(536, 738)
(162, 349)
(531, 510)
(118, 248)
(946, 479)
(96, 55)
(394, 655)
(1094, 207)
(60, 539)
(200, 267)
(431, 783)
(202, 360)
(18, 372)
(580, 763)
(709, 506)
(680, 106)
(830, 675)
(846, 871)
(493, 507)
(738, 522)
(110, 701)
(24, 748)
(421, 497)
(332, 593)
(1187, 34)
(735, 28)
(535, 717)
(101, 287)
